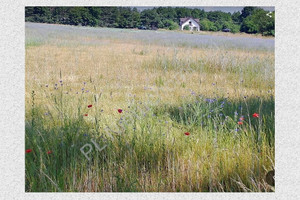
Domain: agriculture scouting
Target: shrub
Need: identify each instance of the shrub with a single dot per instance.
(206, 24)
(186, 27)
(173, 26)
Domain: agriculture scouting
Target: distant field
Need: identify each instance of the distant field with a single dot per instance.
(169, 111)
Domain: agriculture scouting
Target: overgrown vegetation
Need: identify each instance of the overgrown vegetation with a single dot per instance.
(250, 20)
(157, 118)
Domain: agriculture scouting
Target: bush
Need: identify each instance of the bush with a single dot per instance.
(173, 25)
(186, 27)
(169, 24)
(206, 25)
(213, 28)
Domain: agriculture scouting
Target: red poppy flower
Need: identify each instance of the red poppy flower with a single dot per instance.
(120, 110)
(49, 152)
(186, 133)
(240, 123)
(28, 150)
(86, 115)
(89, 106)
(256, 115)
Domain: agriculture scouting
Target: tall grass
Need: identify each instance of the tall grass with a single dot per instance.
(164, 92)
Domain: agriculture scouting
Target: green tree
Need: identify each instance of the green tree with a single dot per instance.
(38, 14)
(150, 18)
(136, 18)
(206, 25)
(249, 20)
(61, 15)
(236, 17)
(247, 11)
(260, 21)
(182, 12)
(81, 16)
(171, 25)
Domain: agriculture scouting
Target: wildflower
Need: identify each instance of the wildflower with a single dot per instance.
(241, 118)
(236, 113)
(46, 85)
(240, 123)
(60, 81)
(186, 133)
(86, 91)
(210, 100)
(223, 102)
(86, 115)
(49, 152)
(89, 106)
(237, 129)
(46, 113)
(120, 110)
(101, 110)
(256, 115)
(28, 150)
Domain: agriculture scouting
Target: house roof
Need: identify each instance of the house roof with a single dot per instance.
(183, 20)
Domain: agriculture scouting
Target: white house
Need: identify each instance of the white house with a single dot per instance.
(191, 22)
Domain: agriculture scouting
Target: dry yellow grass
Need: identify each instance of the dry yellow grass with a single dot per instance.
(116, 68)
(153, 153)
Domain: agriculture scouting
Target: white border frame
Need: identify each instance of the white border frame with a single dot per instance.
(12, 121)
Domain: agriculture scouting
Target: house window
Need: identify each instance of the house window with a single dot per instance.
(190, 23)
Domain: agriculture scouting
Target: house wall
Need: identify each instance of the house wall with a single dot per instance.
(193, 24)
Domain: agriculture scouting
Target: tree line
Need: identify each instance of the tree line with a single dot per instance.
(249, 20)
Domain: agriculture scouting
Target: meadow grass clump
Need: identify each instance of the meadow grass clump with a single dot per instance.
(126, 116)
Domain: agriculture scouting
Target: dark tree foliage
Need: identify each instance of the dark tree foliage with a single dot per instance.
(247, 11)
(259, 21)
(236, 17)
(249, 20)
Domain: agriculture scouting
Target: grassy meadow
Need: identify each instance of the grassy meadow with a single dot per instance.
(114, 110)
